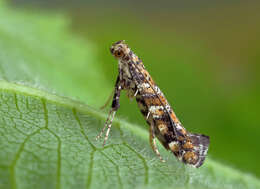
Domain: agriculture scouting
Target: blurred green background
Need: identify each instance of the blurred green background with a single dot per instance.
(204, 55)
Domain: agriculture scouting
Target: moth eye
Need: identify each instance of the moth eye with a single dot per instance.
(118, 53)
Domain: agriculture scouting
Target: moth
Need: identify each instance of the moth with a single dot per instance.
(132, 76)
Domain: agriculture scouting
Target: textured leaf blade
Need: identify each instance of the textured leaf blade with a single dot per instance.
(48, 141)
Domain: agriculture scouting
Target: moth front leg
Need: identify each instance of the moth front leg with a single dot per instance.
(114, 107)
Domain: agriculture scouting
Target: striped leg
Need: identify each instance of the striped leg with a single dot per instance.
(109, 124)
(112, 112)
(109, 120)
(153, 143)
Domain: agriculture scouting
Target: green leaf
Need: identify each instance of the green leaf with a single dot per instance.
(47, 141)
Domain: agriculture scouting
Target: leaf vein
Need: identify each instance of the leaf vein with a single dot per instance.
(59, 144)
(91, 164)
(146, 168)
(81, 128)
(17, 156)
(117, 169)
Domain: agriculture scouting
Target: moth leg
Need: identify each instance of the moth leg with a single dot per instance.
(106, 123)
(108, 100)
(109, 125)
(136, 92)
(147, 117)
(112, 112)
(153, 143)
(132, 92)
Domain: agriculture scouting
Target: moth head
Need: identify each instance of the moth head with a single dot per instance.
(119, 49)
